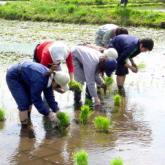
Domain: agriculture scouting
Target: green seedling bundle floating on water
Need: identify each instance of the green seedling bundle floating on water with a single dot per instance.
(75, 86)
(2, 114)
(85, 113)
(102, 123)
(80, 158)
(117, 161)
(117, 100)
(64, 119)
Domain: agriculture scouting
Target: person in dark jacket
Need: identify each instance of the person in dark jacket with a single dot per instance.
(128, 47)
(26, 82)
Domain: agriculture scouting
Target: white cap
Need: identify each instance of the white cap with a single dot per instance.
(111, 52)
(59, 51)
(62, 79)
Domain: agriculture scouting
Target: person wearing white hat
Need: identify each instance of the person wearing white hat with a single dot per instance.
(26, 82)
(52, 53)
(111, 53)
(89, 65)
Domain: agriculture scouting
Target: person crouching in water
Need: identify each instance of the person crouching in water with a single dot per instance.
(89, 64)
(26, 82)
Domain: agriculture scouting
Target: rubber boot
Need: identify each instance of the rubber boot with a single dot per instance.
(121, 91)
(26, 129)
(77, 100)
(88, 98)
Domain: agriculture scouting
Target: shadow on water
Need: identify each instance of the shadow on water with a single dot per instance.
(137, 133)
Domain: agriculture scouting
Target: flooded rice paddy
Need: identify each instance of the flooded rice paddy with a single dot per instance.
(137, 134)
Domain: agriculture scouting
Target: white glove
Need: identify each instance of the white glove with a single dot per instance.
(53, 118)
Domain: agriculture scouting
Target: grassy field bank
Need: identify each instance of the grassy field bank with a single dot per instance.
(85, 11)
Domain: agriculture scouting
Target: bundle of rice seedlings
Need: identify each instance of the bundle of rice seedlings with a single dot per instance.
(117, 161)
(75, 86)
(80, 158)
(85, 113)
(64, 119)
(117, 100)
(102, 123)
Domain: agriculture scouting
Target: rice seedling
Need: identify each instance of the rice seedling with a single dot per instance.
(117, 100)
(64, 120)
(102, 123)
(117, 161)
(108, 81)
(80, 158)
(85, 113)
(141, 65)
(75, 86)
(2, 114)
(88, 102)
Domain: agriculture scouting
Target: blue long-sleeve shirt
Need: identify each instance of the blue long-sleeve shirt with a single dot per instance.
(33, 76)
(127, 46)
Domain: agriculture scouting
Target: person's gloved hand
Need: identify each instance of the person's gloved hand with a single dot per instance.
(53, 118)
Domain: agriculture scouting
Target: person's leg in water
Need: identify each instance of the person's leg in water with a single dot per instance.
(88, 98)
(121, 73)
(80, 77)
(120, 84)
(77, 99)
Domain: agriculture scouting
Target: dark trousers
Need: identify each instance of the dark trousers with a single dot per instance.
(77, 95)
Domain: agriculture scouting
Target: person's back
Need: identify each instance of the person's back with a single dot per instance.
(126, 45)
(104, 32)
(31, 72)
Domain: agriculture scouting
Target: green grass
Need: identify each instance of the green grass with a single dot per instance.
(2, 114)
(117, 161)
(85, 113)
(102, 123)
(80, 158)
(64, 119)
(117, 100)
(83, 11)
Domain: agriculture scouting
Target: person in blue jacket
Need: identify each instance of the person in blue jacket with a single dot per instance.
(128, 47)
(26, 82)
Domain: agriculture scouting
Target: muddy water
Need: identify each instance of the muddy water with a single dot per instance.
(137, 133)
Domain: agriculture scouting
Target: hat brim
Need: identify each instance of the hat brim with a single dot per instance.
(65, 88)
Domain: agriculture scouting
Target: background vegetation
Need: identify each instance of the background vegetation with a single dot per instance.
(136, 13)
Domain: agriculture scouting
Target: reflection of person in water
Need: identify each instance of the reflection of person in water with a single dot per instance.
(27, 81)
(22, 152)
